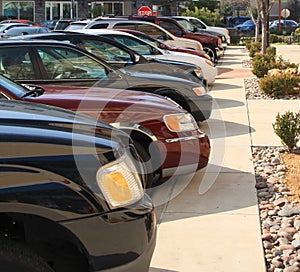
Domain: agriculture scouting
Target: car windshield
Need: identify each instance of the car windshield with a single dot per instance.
(3, 27)
(248, 23)
(147, 39)
(106, 51)
(134, 44)
(75, 26)
(12, 86)
(198, 24)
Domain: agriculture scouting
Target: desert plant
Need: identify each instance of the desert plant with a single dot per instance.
(262, 63)
(297, 32)
(280, 84)
(287, 128)
(254, 49)
(271, 51)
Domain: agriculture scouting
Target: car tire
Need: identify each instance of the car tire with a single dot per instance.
(211, 52)
(16, 257)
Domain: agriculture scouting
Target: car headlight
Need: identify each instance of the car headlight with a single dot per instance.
(180, 122)
(199, 91)
(120, 183)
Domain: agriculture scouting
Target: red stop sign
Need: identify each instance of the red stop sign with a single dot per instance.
(145, 10)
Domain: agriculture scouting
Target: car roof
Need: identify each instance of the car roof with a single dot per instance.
(24, 41)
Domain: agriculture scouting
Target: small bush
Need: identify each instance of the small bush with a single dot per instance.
(297, 32)
(281, 84)
(271, 51)
(261, 64)
(255, 48)
(287, 128)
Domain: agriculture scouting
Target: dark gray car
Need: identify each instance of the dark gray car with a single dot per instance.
(53, 62)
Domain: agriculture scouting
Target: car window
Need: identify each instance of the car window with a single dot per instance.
(64, 63)
(99, 26)
(197, 23)
(15, 63)
(134, 44)
(152, 31)
(171, 27)
(125, 25)
(105, 50)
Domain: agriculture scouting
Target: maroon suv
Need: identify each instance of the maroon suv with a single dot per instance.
(211, 44)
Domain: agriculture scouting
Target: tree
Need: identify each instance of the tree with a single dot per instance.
(293, 6)
(264, 7)
(204, 14)
(211, 5)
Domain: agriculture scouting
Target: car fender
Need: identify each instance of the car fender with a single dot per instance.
(29, 190)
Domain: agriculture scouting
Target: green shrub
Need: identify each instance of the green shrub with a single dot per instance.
(297, 32)
(287, 128)
(271, 51)
(255, 48)
(261, 64)
(281, 84)
(274, 38)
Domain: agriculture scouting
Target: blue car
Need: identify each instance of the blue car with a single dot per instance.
(247, 26)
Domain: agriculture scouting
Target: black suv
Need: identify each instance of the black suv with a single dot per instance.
(71, 197)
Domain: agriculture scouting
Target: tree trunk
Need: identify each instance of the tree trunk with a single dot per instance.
(263, 36)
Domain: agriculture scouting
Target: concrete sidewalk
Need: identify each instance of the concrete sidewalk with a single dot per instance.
(212, 223)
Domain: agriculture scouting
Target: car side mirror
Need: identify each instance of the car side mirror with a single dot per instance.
(136, 58)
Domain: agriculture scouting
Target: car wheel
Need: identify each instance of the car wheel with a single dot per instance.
(16, 257)
(211, 53)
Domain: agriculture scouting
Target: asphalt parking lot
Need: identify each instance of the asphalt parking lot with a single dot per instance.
(210, 222)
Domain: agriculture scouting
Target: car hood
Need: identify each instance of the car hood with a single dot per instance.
(43, 123)
(109, 105)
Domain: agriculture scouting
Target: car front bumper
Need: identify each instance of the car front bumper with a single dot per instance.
(185, 154)
(117, 241)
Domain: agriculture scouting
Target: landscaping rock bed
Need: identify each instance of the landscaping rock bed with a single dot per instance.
(280, 218)
(253, 91)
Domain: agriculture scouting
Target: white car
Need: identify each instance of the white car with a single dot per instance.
(143, 26)
(149, 51)
(201, 25)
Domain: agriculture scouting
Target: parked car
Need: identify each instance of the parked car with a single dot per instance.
(122, 56)
(201, 25)
(287, 25)
(212, 45)
(22, 21)
(209, 72)
(246, 27)
(4, 27)
(161, 45)
(233, 21)
(49, 23)
(70, 195)
(189, 26)
(63, 23)
(148, 28)
(166, 137)
(54, 62)
(19, 31)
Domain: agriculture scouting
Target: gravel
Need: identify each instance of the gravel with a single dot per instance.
(280, 219)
